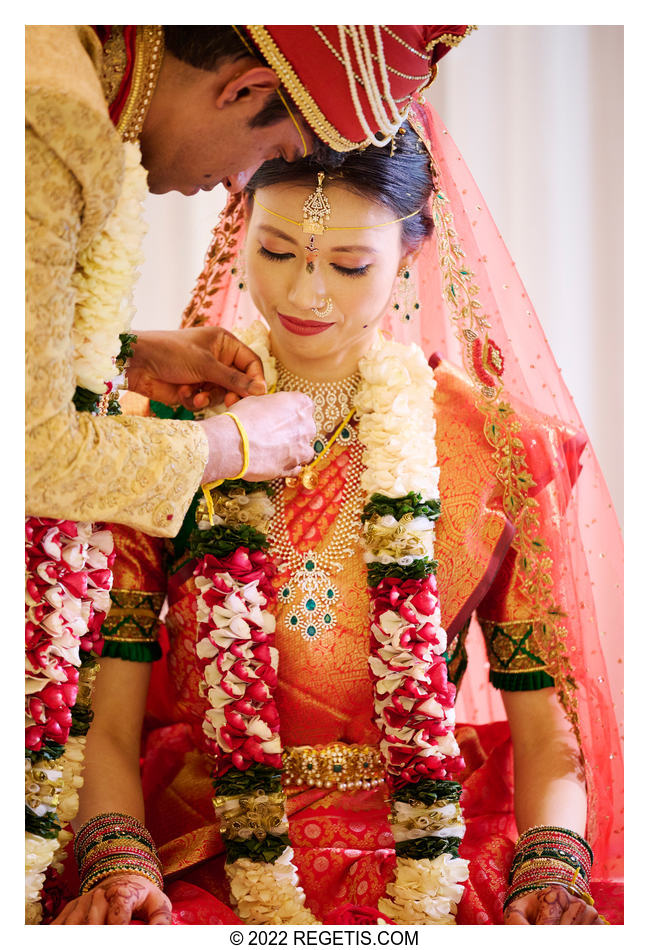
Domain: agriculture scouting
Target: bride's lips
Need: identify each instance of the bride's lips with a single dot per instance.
(302, 327)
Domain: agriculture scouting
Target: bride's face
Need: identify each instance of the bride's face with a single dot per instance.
(354, 268)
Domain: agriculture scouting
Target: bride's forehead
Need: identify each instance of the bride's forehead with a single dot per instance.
(348, 208)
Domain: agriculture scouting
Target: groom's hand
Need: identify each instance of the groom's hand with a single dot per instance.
(196, 367)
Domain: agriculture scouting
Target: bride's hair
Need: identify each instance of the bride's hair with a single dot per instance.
(398, 178)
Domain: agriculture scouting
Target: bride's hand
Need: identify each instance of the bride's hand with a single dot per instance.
(550, 905)
(116, 900)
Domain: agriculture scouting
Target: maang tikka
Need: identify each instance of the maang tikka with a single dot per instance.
(315, 211)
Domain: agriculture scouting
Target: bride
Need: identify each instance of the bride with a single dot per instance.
(302, 726)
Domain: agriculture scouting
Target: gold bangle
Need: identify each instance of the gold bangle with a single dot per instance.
(126, 868)
(245, 448)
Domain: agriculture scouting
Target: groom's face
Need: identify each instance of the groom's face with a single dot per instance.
(198, 158)
(200, 132)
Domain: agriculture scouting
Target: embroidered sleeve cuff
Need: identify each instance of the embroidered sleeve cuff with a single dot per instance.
(130, 630)
(516, 654)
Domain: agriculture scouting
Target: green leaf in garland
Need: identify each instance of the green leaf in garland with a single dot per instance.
(45, 826)
(236, 783)
(82, 717)
(413, 503)
(428, 792)
(84, 400)
(419, 569)
(113, 408)
(429, 847)
(49, 750)
(128, 341)
(222, 540)
(268, 850)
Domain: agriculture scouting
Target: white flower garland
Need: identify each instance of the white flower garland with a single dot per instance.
(103, 281)
(397, 429)
(105, 278)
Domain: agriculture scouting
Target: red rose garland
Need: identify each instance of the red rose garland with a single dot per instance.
(413, 699)
(68, 581)
(236, 644)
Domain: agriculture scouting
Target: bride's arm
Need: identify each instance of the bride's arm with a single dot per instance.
(111, 775)
(112, 784)
(549, 784)
(549, 789)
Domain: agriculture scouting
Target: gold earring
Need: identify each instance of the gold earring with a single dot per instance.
(406, 303)
(238, 271)
(326, 309)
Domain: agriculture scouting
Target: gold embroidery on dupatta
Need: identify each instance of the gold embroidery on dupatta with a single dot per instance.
(218, 258)
(501, 429)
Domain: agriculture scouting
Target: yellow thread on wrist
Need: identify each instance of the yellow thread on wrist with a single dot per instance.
(588, 899)
(245, 448)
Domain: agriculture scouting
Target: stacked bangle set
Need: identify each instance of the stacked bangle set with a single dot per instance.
(549, 855)
(114, 843)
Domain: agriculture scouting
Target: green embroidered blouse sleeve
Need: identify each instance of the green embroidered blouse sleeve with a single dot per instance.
(515, 650)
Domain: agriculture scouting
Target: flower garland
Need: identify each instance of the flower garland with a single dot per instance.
(413, 699)
(68, 564)
(105, 278)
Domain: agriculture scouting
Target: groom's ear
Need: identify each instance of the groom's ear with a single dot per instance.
(254, 83)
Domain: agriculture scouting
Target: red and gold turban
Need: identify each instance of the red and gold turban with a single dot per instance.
(353, 84)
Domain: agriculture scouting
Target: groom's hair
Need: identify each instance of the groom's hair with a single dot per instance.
(208, 47)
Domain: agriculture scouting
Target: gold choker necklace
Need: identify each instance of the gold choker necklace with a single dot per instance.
(332, 402)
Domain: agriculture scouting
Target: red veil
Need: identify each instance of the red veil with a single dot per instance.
(475, 312)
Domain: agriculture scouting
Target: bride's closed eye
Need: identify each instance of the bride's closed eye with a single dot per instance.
(352, 271)
(274, 255)
(288, 255)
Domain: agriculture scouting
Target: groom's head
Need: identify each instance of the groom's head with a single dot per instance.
(215, 115)
(229, 98)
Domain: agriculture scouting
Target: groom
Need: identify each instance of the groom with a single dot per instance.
(207, 105)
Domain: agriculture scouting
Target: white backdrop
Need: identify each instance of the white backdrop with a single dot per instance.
(537, 113)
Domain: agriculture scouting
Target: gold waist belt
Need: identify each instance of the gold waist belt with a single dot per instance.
(334, 765)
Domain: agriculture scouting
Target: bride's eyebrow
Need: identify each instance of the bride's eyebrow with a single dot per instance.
(354, 248)
(276, 231)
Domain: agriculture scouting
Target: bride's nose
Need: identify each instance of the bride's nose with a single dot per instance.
(307, 290)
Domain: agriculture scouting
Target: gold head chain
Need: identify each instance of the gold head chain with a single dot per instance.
(316, 211)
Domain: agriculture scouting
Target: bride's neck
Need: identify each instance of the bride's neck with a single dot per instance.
(327, 368)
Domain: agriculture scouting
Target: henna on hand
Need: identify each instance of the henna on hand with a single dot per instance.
(116, 900)
(550, 906)
(553, 901)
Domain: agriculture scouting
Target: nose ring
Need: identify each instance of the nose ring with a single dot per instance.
(325, 310)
